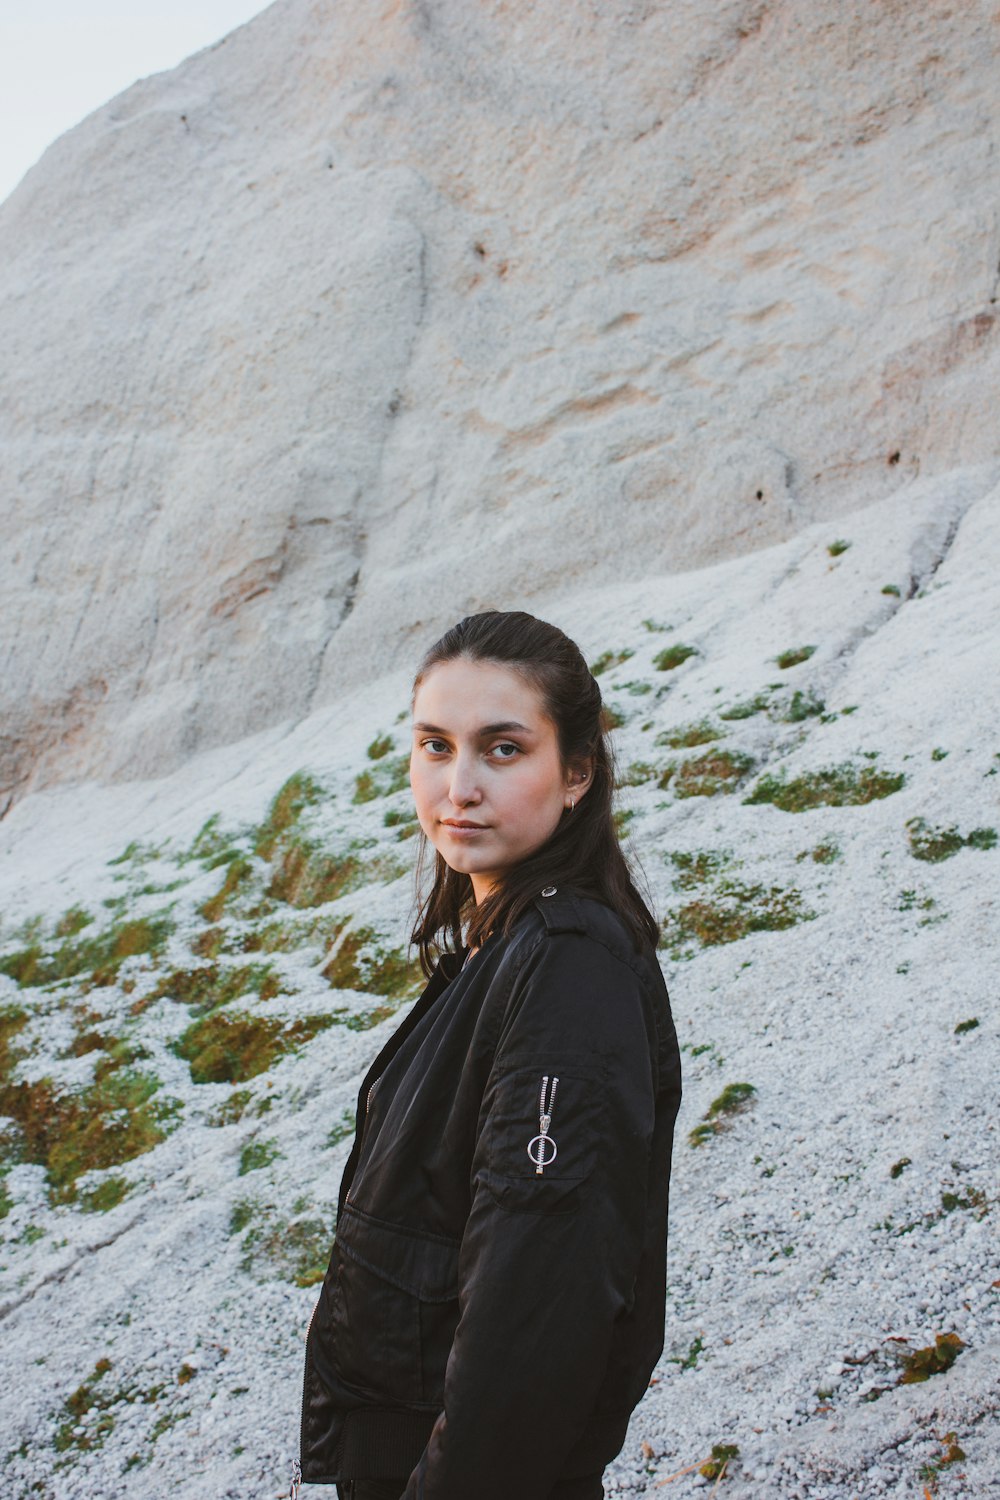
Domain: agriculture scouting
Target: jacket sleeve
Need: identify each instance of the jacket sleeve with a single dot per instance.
(549, 1258)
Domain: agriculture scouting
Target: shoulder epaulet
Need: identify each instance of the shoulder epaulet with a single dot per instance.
(561, 911)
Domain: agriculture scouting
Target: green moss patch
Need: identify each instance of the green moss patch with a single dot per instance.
(697, 867)
(937, 844)
(111, 1121)
(746, 710)
(688, 1361)
(685, 736)
(361, 962)
(209, 943)
(622, 817)
(274, 1247)
(291, 936)
(95, 960)
(821, 854)
(931, 1471)
(730, 912)
(257, 1154)
(345, 1126)
(299, 792)
(73, 921)
(12, 1020)
(672, 657)
(713, 772)
(395, 817)
(793, 656)
(609, 659)
(388, 776)
(920, 1364)
(137, 853)
(913, 900)
(304, 876)
(204, 989)
(107, 1195)
(717, 1465)
(834, 786)
(379, 747)
(232, 1110)
(239, 873)
(973, 1199)
(209, 844)
(88, 1416)
(734, 1100)
(232, 1047)
(638, 773)
(403, 819)
(69, 1132)
(87, 1421)
(801, 705)
(241, 1214)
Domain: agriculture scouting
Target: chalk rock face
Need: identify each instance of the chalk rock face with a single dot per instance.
(374, 315)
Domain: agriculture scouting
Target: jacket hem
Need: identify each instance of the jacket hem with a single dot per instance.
(603, 1440)
(381, 1443)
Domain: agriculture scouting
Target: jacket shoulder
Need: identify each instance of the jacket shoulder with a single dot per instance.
(565, 909)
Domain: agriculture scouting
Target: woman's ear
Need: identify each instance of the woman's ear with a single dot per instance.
(580, 779)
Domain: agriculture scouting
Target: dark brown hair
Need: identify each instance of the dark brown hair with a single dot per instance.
(583, 850)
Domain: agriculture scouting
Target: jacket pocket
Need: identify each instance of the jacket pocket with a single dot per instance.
(393, 1308)
(543, 1132)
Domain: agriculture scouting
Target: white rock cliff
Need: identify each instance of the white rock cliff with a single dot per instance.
(372, 315)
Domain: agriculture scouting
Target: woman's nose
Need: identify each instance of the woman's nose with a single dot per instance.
(464, 786)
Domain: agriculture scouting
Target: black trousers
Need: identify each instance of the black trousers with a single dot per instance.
(588, 1488)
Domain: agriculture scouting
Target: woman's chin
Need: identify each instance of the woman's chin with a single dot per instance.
(464, 861)
(461, 861)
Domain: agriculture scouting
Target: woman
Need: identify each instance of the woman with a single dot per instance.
(494, 1304)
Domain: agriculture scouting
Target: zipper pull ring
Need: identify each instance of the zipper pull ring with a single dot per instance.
(296, 1483)
(545, 1108)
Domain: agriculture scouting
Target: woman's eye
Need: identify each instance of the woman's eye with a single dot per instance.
(437, 746)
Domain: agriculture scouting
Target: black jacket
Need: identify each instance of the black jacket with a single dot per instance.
(486, 1327)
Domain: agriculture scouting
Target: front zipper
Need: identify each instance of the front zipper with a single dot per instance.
(364, 1122)
(297, 1463)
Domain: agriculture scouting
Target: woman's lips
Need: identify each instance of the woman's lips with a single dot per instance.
(463, 833)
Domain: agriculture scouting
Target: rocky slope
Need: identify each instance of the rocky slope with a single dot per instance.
(373, 314)
(195, 972)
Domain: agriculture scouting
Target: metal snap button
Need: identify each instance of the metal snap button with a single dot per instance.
(549, 890)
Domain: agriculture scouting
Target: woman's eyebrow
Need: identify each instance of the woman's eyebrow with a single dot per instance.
(503, 727)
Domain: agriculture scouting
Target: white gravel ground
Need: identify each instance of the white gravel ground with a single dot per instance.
(800, 1267)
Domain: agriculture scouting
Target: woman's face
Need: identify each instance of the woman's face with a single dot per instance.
(484, 753)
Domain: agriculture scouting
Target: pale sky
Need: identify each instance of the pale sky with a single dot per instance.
(60, 59)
